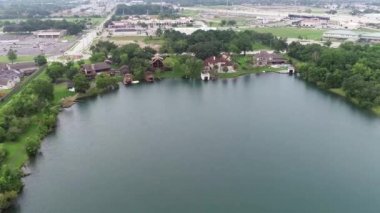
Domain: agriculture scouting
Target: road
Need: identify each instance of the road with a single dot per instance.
(81, 49)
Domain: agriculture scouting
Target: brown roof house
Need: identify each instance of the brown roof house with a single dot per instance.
(263, 58)
(222, 63)
(157, 62)
(90, 70)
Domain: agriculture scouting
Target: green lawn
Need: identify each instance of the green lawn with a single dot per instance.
(189, 13)
(61, 92)
(169, 74)
(292, 32)
(20, 58)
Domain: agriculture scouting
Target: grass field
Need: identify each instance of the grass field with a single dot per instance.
(20, 58)
(121, 40)
(292, 32)
(189, 13)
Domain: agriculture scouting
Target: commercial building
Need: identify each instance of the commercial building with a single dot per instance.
(50, 33)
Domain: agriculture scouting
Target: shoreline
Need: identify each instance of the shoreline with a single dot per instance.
(68, 101)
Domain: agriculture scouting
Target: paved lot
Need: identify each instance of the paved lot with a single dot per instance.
(29, 45)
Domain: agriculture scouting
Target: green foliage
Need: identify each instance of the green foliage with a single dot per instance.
(6, 198)
(10, 180)
(40, 60)
(210, 43)
(55, 71)
(3, 155)
(32, 146)
(106, 82)
(98, 57)
(355, 68)
(81, 83)
(43, 89)
(12, 56)
(73, 28)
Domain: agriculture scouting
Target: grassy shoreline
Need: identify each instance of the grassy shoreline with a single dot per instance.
(340, 92)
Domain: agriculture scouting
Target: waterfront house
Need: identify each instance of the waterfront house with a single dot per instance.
(124, 70)
(263, 58)
(91, 70)
(149, 77)
(128, 79)
(222, 63)
(157, 62)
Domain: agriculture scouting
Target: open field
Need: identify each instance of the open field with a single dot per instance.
(20, 58)
(292, 32)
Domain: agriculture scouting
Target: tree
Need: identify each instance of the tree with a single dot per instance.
(81, 83)
(3, 134)
(55, 71)
(32, 146)
(71, 72)
(12, 56)
(98, 57)
(3, 155)
(104, 81)
(223, 22)
(195, 67)
(40, 60)
(43, 89)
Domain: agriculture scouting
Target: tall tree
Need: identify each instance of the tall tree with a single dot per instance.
(12, 56)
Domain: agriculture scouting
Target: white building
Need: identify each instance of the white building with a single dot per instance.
(50, 33)
(341, 35)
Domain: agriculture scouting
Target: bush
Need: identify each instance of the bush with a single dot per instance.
(6, 199)
(3, 155)
(32, 146)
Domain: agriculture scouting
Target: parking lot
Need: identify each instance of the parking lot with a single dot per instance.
(30, 45)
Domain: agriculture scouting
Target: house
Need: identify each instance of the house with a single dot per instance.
(128, 79)
(52, 33)
(222, 63)
(124, 69)
(157, 62)
(370, 37)
(149, 77)
(263, 58)
(91, 70)
(9, 78)
(25, 68)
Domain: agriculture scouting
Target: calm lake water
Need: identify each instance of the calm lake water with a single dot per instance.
(268, 144)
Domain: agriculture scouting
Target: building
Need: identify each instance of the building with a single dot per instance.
(25, 68)
(9, 78)
(370, 37)
(221, 63)
(341, 35)
(128, 79)
(50, 33)
(157, 62)
(91, 70)
(263, 58)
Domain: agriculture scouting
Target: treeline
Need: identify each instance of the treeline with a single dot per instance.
(148, 9)
(73, 28)
(354, 68)
(137, 58)
(209, 43)
(31, 108)
(32, 9)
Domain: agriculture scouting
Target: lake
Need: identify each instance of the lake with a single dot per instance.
(265, 143)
